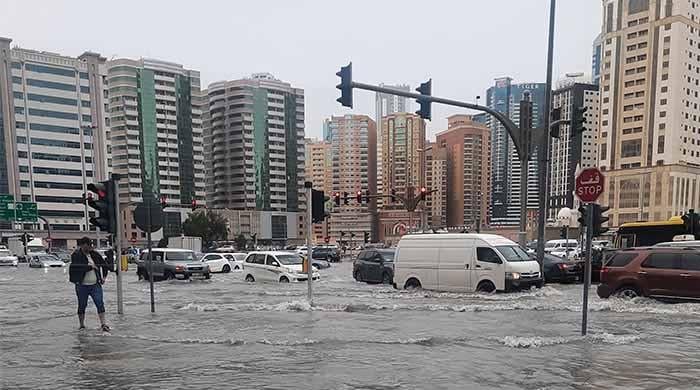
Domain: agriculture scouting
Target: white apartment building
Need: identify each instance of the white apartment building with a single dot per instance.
(649, 119)
(387, 104)
(257, 152)
(155, 112)
(54, 138)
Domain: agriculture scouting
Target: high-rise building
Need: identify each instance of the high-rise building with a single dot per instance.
(649, 122)
(354, 159)
(155, 113)
(403, 142)
(505, 96)
(468, 153)
(572, 150)
(53, 134)
(257, 159)
(595, 59)
(387, 104)
(436, 180)
(318, 170)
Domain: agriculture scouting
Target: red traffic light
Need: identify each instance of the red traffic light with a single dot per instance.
(194, 204)
(336, 197)
(359, 197)
(163, 200)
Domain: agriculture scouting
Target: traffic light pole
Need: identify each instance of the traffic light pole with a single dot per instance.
(587, 270)
(309, 232)
(116, 243)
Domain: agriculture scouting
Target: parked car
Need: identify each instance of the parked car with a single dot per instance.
(557, 269)
(172, 264)
(217, 262)
(7, 258)
(374, 265)
(320, 264)
(652, 272)
(283, 267)
(61, 254)
(561, 247)
(326, 253)
(463, 262)
(45, 261)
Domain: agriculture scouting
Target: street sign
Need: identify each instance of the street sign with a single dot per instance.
(7, 207)
(26, 212)
(590, 184)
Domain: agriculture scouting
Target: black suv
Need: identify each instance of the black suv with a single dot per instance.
(324, 253)
(374, 266)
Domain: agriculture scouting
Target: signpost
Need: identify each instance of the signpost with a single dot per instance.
(7, 207)
(26, 212)
(590, 184)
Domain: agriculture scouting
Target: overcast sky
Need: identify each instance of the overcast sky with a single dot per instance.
(461, 44)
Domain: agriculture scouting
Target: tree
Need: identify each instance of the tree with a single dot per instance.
(208, 225)
(241, 242)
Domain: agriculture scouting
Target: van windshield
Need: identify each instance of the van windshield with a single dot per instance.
(513, 253)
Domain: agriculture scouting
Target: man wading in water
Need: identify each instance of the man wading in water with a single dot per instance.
(88, 271)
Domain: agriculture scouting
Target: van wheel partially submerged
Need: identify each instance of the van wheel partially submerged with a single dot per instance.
(412, 284)
(486, 287)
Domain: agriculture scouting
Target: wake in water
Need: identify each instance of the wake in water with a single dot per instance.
(538, 341)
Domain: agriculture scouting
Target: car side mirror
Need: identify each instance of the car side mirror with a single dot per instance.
(275, 264)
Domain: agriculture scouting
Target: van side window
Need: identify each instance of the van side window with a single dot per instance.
(690, 261)
(662, 260)
(487, 255)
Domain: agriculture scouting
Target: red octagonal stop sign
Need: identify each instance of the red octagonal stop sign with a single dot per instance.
(590, 184)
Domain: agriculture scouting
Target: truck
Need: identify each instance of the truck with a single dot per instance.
(186, 242)
(34, 246)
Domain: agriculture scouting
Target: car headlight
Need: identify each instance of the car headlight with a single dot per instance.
(513, 275)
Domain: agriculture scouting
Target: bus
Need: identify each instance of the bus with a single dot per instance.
(635, 234)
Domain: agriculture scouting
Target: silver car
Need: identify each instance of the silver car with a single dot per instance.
(7, 259)
(45, 261)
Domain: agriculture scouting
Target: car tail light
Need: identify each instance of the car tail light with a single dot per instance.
(562, 266)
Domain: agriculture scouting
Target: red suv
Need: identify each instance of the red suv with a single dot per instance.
(652, 272)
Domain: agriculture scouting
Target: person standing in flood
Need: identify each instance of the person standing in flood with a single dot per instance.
(88, 271)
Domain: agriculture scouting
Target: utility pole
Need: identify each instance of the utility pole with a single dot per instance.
(116, 242)
(309, 231)
(543, 152)
(525, 135)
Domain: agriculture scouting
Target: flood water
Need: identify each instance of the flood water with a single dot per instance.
(225, 333)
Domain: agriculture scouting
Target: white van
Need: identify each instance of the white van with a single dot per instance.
(463, 262)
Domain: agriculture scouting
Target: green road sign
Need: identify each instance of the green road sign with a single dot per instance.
(26, 212)
(7, 207)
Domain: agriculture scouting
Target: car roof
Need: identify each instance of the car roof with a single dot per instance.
(168, 250)
(275, 253)
(225, 253)
(491, 239)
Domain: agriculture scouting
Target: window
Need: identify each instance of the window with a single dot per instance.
(603, 151)
(259, 258)
(16, 80)
(487, 255)
(58, 186)
(212, 257)
(50, 70)
(631, 148)
(621, 259)
(56, 143)
(59, 171)
(56, 157)
(690, 261)
(663, 260)
(660, 144)
(271, 261)
(53, 128)
(52, 99)
(53, 114)
(50, 85)
(84, 89)
(84, 75)
(19, 110)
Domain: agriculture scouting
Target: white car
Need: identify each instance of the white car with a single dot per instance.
(45, 261)
(236, 259)
(217, 262)
(283, 267)
(6, 258)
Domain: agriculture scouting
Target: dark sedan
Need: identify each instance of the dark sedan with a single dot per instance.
(557, 269)
(325, 253)
(374, 266)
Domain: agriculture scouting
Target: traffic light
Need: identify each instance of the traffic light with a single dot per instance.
(25, 238)
(366, 234)
(194, 204)
(367, 196)
(318, 206)
(599, 219)
(582, 217)
(336, 198)
(554, 128)
(345, 85)
(691, 220)
(105, 205)
(342, 234)
(163, 201)
(425, 110)
(358, 197)
(423, 193)
(578, 120)
(352, 235)
(562, 232)
(346, 198)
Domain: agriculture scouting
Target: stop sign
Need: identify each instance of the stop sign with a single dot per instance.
(590, 183)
